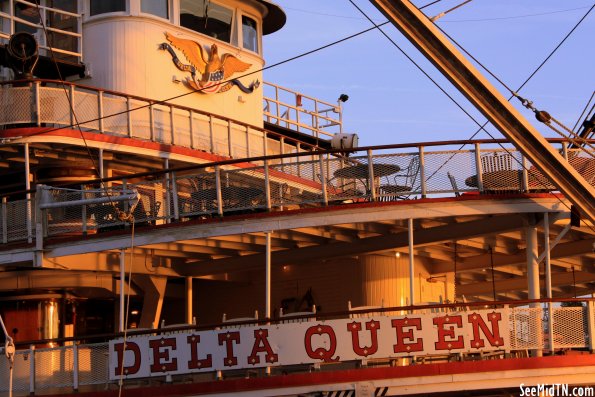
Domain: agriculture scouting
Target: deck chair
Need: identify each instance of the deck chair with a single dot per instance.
(453, 183)
(403, 183)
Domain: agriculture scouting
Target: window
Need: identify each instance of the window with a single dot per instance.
(249, 34)
(206, 17)
(155, 7)
(104, 6)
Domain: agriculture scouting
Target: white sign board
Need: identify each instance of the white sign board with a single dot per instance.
(309, 342)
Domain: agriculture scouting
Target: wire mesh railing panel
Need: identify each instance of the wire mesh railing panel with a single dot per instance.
(182, 127)
(140, 119)
(243, 190)
(201, 132)
(347, 179)
(583, 162)
(17, 213)
(21, 371)
(54, 106)
(306, 188)
(87, 109)
(197, 194)
(162, 124)
(16, 105)
(93, 362)
(570, 327)
(443, 172)
(526, 328)
(397, 176)
(67, 219)
(239, 141)
(54, 367)
(115, 115)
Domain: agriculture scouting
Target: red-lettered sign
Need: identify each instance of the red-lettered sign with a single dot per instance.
(310, 342)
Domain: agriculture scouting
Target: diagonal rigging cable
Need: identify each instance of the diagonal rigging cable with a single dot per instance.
(418, 66)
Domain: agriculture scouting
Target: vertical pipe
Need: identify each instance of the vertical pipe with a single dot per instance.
(267, 185)
(533, 277)
(218, 190)
(121, 325)
(322, 179)
(478, 170)
(422, 173)
(168, 209)
(129, 117)
(371, 182)
(189, 298)
(411, 262)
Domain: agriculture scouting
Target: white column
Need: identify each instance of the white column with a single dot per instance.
(533, 277)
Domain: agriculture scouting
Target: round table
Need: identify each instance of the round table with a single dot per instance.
(361, 171)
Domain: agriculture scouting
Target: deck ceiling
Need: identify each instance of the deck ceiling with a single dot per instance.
(233, 249)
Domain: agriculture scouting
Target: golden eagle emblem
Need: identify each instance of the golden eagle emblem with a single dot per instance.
(210, 73)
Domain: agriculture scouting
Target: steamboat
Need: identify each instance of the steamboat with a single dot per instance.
(174, 225)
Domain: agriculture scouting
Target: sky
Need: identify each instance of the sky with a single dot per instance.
(391, 101)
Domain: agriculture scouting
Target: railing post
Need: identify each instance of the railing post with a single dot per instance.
(591, 324)
(218, 190)
(40, 231)
(4, 220)
(525, 173)
(168, 198)
(267, 185)
(32, 369)
(29, 210)
(372, 182)
(565, 150)
(478, 170)
(100, 110)
(323, 179)
(174, 193)
(75, 365)
(84, 211)
(37, 101)
(422, 172)
(298, 149)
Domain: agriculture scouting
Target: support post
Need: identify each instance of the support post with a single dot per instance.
(189, 297)
(28, 195)
(121, 325)
(548, 281)
(267, 303)
(533, 276)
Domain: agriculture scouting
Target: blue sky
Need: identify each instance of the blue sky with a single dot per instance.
(391, 101)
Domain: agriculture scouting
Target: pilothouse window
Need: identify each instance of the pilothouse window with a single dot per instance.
(206, 17)
(105, 6)
(249, 34)
(155, 7)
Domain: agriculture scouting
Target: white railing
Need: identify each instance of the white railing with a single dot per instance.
(302, 113)
(77, 365)
(65, 27)
(46, 104)
(279, 183)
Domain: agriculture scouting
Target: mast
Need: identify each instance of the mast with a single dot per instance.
(421, 32)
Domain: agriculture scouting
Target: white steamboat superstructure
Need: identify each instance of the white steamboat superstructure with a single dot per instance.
(172, 224)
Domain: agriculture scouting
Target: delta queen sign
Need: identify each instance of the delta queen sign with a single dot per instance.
(309, 342)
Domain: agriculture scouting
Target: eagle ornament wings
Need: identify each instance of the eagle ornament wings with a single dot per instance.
(210, 73)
